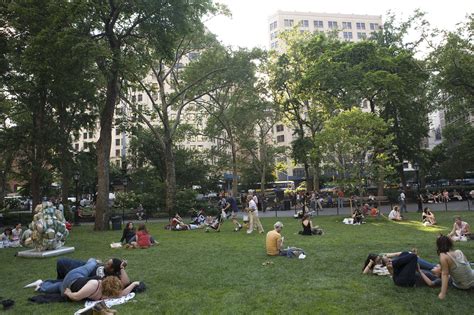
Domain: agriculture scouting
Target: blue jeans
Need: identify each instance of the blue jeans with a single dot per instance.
(290, 252)
(134, 239)
(425, 264)
(79, 272)
(50, 286)
(340, 203)
(64, 265)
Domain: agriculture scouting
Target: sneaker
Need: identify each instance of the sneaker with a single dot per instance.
(302, 256)
(249, 232)
(37, 283)
(240, 227)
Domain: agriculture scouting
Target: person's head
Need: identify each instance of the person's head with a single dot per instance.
(458, 220)
(111, 286)
(142, 227)
(129, 226)
(305, 217)
(444, 244)
(112, 267)
(396, 208)
(18, 226)
(426, 210)
(436, 270)
(278, 226)
(374, 257)
(7, 231)
(249, 197)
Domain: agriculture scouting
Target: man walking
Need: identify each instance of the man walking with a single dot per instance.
(253, 216)
(403, 204)
(231, 204)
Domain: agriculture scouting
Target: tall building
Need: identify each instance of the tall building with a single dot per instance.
(349, 27)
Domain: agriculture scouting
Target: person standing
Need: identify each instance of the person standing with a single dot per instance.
(231, 204)
(402, 200)
(253, 216)
(340, 199)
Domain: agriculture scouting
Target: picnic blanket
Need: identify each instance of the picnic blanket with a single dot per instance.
(109, 302)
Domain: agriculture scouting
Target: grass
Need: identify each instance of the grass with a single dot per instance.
(222, 273)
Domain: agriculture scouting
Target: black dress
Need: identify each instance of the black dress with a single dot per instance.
(306, 229)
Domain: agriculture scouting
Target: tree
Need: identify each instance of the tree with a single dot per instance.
(48, 81)
(228, 107)
(129, 34)
(303, 104)
(348, 143)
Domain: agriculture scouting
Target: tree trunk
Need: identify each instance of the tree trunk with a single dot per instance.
(170, 179)
(309, 182)
(103, 153)
(316, 172)
(262, 179)
(234, 168)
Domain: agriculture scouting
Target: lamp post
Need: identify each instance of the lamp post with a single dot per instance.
(76, 177)
(419, 200)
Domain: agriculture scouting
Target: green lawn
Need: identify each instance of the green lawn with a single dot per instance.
(215, 273)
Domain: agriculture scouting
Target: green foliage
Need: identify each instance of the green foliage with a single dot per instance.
(185, 200)
(350, 145)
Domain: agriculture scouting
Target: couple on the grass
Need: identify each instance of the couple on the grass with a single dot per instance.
(407, 269)
(79, 280)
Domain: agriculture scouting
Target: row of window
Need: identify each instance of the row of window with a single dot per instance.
(320, 24)
(348, 35)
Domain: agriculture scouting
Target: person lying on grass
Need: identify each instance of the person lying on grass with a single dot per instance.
(274, 244)
(142, 238)
(379, 263)
(77, 285)
(406, 269)
(453, 264)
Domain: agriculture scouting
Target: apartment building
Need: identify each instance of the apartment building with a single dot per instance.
(349, 27)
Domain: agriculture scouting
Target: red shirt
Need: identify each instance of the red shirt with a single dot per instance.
(143, 239)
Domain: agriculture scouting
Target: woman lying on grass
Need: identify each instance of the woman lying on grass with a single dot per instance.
(406, 269)
(455, 265)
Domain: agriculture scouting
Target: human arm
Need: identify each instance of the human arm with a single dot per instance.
(391, 255)
(280, 243)
(467, 229)
(123, 275)
(453, 231)
(424, 277)
(129, 288)
(123, 236)
(444, 276)
(85, 292)
(369, 267)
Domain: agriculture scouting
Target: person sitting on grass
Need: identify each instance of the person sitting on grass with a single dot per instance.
(128, 233)
(394, 215)
(177, 223)
(461, 230)
(274, 244)
(308, 228)
(454, 264)
(428, 217)
(6, 237)
(357, 216)
(374, 211)
(142, 238)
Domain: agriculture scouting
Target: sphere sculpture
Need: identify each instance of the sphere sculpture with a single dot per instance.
(48, 229)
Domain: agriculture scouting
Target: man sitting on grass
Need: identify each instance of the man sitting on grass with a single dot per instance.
(274, 244)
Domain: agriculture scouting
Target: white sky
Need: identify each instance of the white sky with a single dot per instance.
(248, 26)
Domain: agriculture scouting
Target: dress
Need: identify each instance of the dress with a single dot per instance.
(306, 229)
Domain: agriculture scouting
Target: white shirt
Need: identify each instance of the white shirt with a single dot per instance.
(402, 196)
(393, 215)
(253, 205)
(255, 199)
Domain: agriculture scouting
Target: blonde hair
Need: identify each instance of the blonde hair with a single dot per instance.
(111, 286)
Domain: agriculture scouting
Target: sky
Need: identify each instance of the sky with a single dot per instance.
(248, 26)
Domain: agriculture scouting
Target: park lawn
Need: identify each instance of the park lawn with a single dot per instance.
(215, 273)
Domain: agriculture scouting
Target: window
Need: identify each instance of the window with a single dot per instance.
(134, 98)
(365, 104)
(91, 135)
(438, 133)
(361, 35)
(273, 25)
(140, 97)
(117, 152)
(360, 25)
(117, 141)
(374, 26)
(318, 24)
(279, 128)
(274, 45)
(117, 163)
(288, 22)
(281, 138)
(298, 172)
(304, 23)
(76, 146)
(347, 35)
(347, 25)
(273, 35)
(117, 132)
(84, 135)
(332, 24)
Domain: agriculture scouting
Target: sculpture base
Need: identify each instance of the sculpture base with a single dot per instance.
(33, 253)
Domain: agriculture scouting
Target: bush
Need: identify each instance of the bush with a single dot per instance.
(185, 200)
